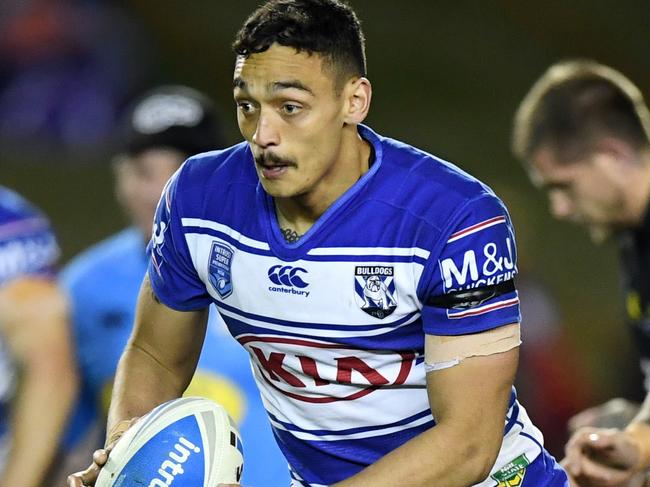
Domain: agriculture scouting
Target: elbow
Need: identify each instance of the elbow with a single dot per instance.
(481, 457)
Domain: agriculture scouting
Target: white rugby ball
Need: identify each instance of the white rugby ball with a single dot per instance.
(187, 442)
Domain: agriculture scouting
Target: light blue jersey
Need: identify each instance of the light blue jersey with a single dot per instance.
(103, 284)
(335, 323)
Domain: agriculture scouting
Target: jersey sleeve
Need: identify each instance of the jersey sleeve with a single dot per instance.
(468, 283)
(28, 247)
(171, 271)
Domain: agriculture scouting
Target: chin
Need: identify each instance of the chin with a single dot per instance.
(278, 189)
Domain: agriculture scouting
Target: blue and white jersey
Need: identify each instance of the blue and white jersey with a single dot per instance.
(335, 323)
(27, 247)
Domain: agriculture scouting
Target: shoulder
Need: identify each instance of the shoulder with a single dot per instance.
(104, 257)
(212, 183)
(233, 163)
(429, 187)
(15, 208)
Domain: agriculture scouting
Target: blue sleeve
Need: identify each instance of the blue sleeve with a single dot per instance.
(28, 247)
(476, 252)
(171, 271)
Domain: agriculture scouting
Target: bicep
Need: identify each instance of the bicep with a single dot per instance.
(477, 389)
(173, 338)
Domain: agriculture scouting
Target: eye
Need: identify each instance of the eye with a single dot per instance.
(290, 108)
(245, 107)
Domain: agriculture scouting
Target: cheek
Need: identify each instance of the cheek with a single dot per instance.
(244, 126)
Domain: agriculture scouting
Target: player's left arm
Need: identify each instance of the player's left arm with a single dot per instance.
(469, 402)
(33, 318)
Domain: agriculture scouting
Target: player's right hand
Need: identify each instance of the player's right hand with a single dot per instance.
(88, 477)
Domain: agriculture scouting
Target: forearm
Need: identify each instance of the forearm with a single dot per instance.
(444, 456)
(41, 409)
(159, 359)
(141, 383)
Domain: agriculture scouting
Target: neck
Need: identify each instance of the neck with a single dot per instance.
(300, 212)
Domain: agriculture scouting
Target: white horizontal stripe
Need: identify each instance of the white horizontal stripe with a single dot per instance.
(479, 227)
(485, 309)
(388, 251)
(295, 329)
(304, 435)
(197, 222)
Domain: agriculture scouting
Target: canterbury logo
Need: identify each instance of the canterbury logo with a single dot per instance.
(287, 276)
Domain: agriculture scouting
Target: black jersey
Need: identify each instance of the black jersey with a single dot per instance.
(635, 260)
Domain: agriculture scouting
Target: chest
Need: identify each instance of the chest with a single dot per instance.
(328, 284)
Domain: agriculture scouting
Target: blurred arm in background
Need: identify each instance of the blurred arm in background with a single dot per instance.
(38, 380)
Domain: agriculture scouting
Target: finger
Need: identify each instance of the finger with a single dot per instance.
(100, 457)
(575, 450)
(604, 476)
(74, 480)
(590, 439)
(602, 439)
(572, 467)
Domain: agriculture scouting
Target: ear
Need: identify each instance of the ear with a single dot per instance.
(358, 93)
(616, 150)
(617, 159)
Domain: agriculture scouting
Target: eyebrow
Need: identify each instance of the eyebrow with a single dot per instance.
(238, 82)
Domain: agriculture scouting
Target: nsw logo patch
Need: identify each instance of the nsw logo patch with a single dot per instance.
(374, 287)
(219, 268)
(512, 475)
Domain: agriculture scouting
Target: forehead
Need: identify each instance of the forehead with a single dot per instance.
(281, 67)
(546, 168)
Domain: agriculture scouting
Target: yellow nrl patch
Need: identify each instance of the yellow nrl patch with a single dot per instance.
(512, 474)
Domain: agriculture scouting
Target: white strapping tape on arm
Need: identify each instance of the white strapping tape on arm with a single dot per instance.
(443, 352)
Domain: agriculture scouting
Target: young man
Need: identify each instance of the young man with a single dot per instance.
(370, 282)
(38, 379)
(583, 132)
(162, 128)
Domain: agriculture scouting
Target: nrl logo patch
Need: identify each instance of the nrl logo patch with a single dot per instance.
(219, 266)
(374, 287)
(512, 475)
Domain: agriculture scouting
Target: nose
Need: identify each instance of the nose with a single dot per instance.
(266, 134)
(562, 207)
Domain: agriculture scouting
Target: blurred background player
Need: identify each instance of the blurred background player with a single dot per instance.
(583, 133)
(36, 361)
(162, 129)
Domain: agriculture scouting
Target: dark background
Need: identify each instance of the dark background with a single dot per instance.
(447, 76)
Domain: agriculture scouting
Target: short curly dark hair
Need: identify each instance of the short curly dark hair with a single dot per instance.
(329, 28)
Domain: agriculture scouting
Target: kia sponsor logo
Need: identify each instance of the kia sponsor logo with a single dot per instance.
(334, 373)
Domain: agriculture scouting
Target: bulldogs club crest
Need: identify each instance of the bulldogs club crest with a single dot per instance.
(374, 287)
(219, 266)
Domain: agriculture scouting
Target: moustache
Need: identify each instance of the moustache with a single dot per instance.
(271, 159)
